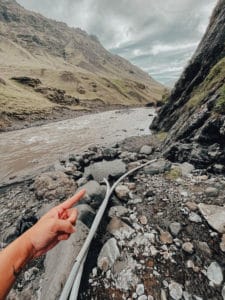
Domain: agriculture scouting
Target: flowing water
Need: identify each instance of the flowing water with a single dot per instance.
(27, 151)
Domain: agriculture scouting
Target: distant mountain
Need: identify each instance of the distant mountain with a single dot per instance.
(194, 113)
(66, 59)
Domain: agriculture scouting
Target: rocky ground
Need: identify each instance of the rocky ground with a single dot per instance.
(162, 236)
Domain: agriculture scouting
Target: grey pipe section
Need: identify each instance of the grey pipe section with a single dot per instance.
(73, 282)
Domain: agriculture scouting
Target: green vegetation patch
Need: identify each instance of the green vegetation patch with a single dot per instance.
(161, 136)
(220, 104)
(215, 76)
(174, 173)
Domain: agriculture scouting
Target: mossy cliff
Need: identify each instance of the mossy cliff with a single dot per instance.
(194, 113)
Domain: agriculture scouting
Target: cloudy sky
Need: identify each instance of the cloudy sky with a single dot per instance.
(159, 36)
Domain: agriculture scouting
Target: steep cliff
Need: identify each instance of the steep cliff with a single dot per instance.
(194, 113)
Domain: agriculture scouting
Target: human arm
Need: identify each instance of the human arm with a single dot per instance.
(54, 226)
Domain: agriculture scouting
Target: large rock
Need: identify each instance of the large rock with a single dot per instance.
(214, 215)
(95, 193)
(108, 255)
(54, 186)
(106, 169)
(160, 166)
(59, 262)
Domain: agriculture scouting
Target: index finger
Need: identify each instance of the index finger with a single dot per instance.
(70, 202)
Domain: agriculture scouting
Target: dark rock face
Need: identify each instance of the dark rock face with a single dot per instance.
(191, 116)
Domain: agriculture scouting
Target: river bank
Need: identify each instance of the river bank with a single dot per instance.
(11, 122)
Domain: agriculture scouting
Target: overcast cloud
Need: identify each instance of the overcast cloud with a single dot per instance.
(159, 36)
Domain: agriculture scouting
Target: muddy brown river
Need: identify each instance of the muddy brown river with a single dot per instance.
(28, 151)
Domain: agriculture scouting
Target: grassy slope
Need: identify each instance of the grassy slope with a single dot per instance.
(215, 80)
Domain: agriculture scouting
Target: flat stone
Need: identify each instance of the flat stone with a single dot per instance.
(106, 169)
(118, 211)
(108, 255)
(214, 215)
(204, 248)
(119, 229)
(211, 192)
(193, 217)
(191, 205)
(215, 273)
(175, 290)
(143, 297)
(122, 192)
(146, 150)
(160, 166)
(175, 228)
(186, 168)
(188, 247)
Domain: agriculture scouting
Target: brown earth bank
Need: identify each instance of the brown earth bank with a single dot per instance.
(15, 121)
(162, 236)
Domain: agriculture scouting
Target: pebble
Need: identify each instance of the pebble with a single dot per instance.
(175, 228)
(150, 297)
(211, 192)
(222, 244)
(143, 297)
(143, 220)
(175, 290)
(117, 211)
(215, 273)
(187, 296)
(193, 217)
(122, 192)
(153, 251)
(140, 289)
(188, 248)
(191, 205)
(165, 237)
(163, 295)
(146, 150)
(223, 292)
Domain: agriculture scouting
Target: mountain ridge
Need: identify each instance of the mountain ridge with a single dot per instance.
(64, 58)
